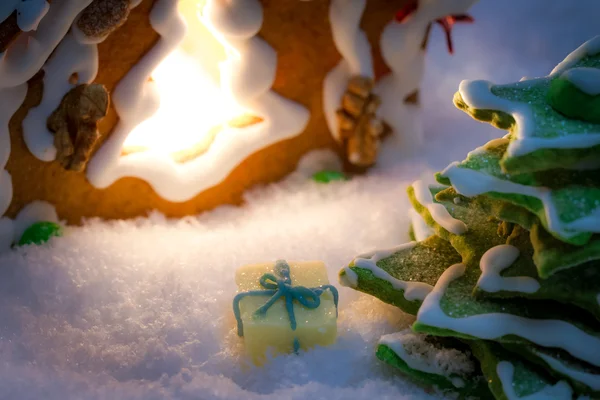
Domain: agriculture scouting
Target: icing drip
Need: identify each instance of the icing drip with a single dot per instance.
(548, 333)
(589, 48)
(27, 56)
(247, 77)
(29, 12)
(505, 371)
(496, 260)
(279, 285)
(412, 290)
(420, 228)
(355, 49)
(585, 79)
(70, 57)
(591, 380)
(402, 52)
(438, 212)
(472, 183)
(478, 95)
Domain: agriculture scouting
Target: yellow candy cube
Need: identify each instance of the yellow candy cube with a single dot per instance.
(269, 327)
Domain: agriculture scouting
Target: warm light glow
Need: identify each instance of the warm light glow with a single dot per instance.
(193, 107)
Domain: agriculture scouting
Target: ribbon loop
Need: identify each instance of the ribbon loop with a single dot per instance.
(281, 286)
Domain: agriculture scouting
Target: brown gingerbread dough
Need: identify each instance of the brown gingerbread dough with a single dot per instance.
(75, 124)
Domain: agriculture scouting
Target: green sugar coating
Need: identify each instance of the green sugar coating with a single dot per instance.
(570, 101)
(458, 300)
(527, 379)
(578, 286)
(423, 263)
(550, 254)
(547, 122)
(40, 233)
(470, 384)
(541, 356)
(574, 194)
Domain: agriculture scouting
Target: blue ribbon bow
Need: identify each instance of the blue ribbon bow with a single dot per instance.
(281, 286)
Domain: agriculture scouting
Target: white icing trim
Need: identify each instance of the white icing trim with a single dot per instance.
(395, 342)
(585, 79)
(438, 212)
(355, 49)
(70, 57)
(401, 50)
(589, 48)
(505, 371)
(496, 260)
(472, 183)
(29, 53)
(412, 290)
(591, 380)
(420, 228)
(29, 12)
(548, 333)
(478, 95)
(248, 78)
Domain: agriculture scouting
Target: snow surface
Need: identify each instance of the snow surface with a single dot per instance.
(142, 310)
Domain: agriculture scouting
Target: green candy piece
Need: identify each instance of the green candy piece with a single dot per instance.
(583, 377)
(452, 310)
(445, 364)
(568, 99)
(40, 233)
(564, 201)
(541, 138)
(329, 176)
(511, 377)
(402, 276)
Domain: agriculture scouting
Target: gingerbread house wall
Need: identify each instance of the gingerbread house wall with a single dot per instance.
(299, 32)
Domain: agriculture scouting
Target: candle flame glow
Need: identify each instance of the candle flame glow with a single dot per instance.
(193, 107)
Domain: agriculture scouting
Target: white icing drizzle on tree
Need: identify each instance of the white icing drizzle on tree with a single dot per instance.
(248, 78)
(547, 332)
(29, 12)
(505, 371)
(477, 94)
(471, 183)
(496, 260)
(590, 380)
(70, 57)
(422, 356)
(412, 290)
(420, 228)
(585, 79)
(438, 212)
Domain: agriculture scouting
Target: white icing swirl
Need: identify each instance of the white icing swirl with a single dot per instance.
(496, 260)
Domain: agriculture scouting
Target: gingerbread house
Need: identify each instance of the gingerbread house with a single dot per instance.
(114, 108)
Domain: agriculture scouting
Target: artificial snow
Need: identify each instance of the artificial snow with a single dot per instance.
(142, 309)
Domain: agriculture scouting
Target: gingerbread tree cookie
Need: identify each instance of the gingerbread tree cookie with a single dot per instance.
(522, 213)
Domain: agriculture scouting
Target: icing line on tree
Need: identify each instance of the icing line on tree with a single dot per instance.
(548, 332)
